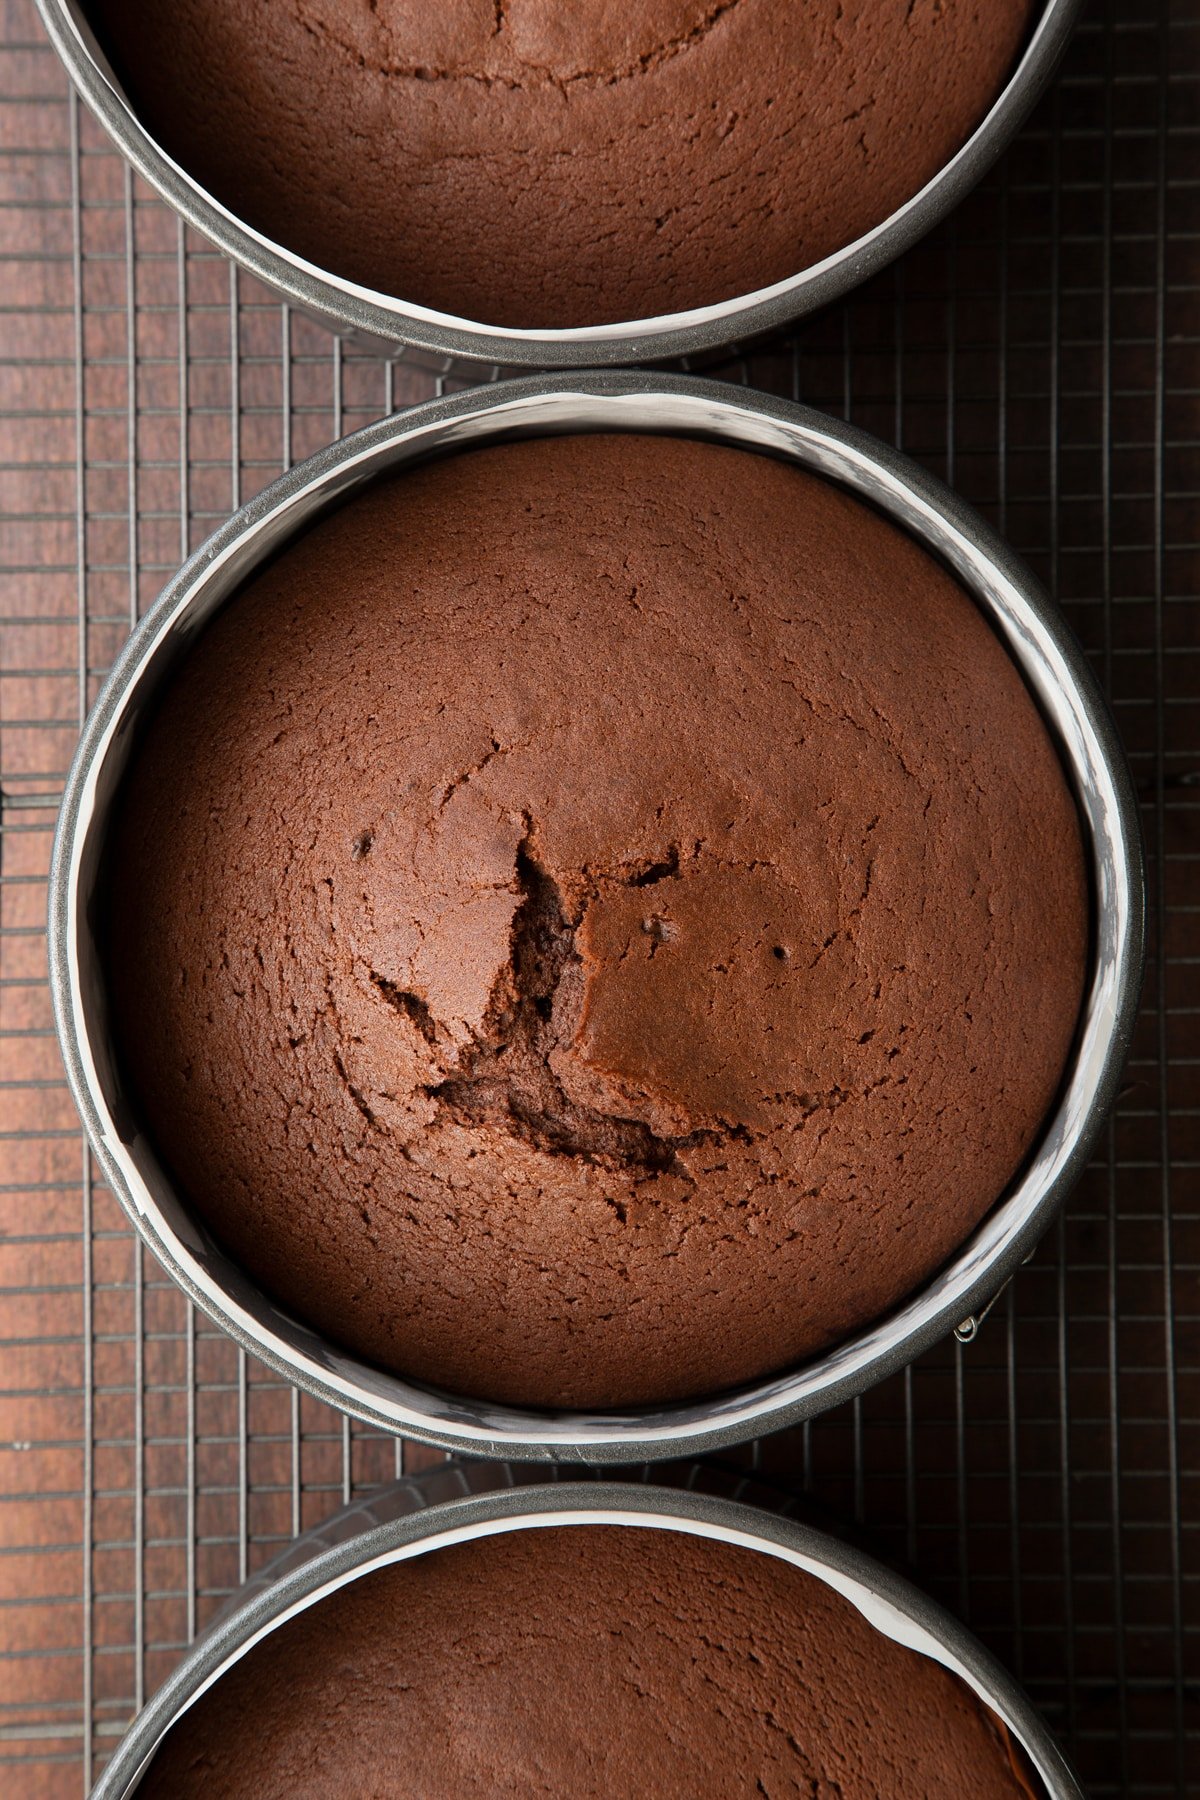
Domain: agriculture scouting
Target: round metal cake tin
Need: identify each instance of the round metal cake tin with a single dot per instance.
(462, 1502)
(1055, 671)
(393, 324)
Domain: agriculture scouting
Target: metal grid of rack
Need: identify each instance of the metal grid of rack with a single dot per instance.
(1042, 351)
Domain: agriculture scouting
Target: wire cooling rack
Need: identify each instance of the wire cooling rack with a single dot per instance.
(1042, 352)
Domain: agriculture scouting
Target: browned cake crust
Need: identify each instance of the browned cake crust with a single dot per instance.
(533, 163)
(586, 1661)
(597, 920)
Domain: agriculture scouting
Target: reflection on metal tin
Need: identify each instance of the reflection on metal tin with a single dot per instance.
(450, 344)
(1054, 669)
(462, 1502)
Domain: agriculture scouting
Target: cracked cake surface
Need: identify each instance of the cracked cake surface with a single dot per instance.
(596, 920)
(533, 164)
(591, 1661)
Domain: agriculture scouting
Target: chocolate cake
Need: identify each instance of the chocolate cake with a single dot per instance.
(596, 920)
(533, 164)
(586, 1661)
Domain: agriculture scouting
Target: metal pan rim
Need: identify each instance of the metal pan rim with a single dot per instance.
(392, 322)
(893, 1605)
(1052, 664)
